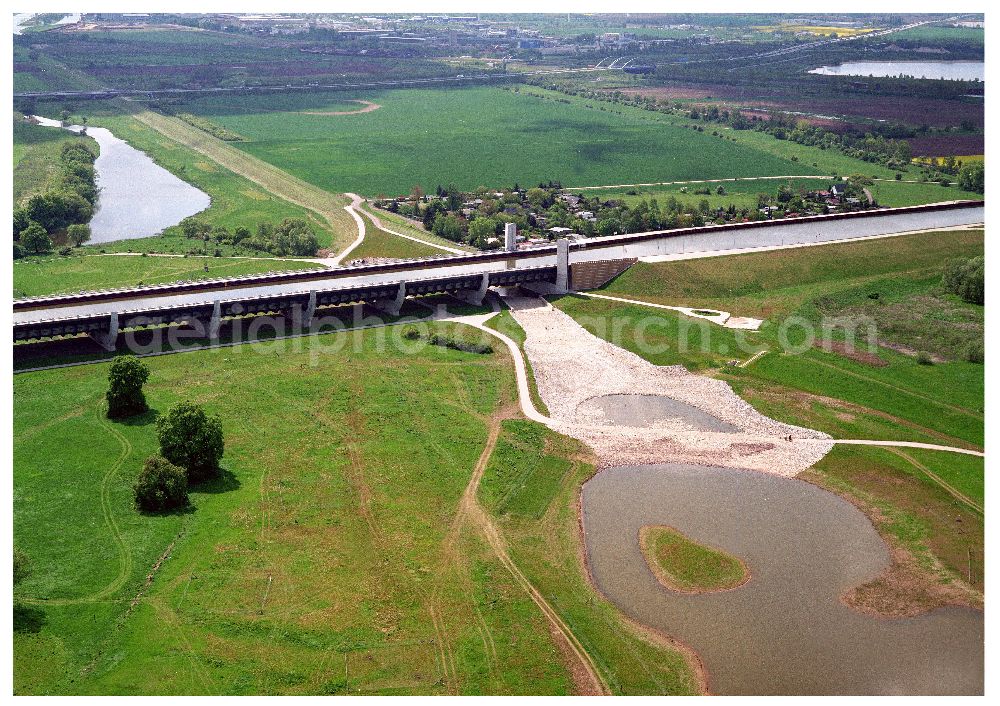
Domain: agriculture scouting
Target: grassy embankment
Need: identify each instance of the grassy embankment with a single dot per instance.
(236, 199)
(407, 227)
(686, 566)
(885, 395)
(324, 561)
(55, 275)
(378, 243)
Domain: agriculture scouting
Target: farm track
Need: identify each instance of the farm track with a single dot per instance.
(950, 489)
(276, 181)
(469, 508)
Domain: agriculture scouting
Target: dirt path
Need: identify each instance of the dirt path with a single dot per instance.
(352, 208)
(276, 181)
(470, 510)
(950, 489)
(367, 107)
(379, 224)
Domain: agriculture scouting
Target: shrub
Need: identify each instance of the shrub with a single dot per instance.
(460, 345)
(924, 358)
(18, 251)
(126, 376)
(975, 353)
(161, 486)
(967, 279)
(191, 439)
(972, 177)
(66, 251)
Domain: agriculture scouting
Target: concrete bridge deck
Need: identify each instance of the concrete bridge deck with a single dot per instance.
(100, 313)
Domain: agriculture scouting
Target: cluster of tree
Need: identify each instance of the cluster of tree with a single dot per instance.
(67, 206)
(293, 236)
(967, 279)
(477, 218)
(972, 177)
(191, 442)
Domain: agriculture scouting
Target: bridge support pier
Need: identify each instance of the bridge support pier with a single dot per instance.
(392, 306)
(476, 296)
(562, 265)
(310, 310)
(109, 340)
(215, 322)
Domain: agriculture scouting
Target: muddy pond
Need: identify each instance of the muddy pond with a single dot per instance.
(785, 631)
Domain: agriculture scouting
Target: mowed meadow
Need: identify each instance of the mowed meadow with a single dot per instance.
(333, 555)
(476, 137)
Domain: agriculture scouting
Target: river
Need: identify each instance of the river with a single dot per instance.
(944, 70)
(138, 198)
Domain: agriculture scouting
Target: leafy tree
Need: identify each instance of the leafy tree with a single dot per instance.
(967, 279)
(21, 221)
(161, 486)
(54, 210)
(21, 566)
(126, 376)
(35, 239)
(78, 233)
(194, 228)
(191, 439)
(480, 229)
(448, 225)
(539, 198)
(972, 177)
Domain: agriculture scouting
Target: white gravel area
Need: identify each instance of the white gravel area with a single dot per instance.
(572, 367)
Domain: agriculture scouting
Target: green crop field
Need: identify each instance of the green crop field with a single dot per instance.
(328, 559)
(490, 137)
(55, 274)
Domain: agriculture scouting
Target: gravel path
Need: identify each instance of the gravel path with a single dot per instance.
(573, 369)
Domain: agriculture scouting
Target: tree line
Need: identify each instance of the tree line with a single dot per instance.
(67, 206)
(292, 236)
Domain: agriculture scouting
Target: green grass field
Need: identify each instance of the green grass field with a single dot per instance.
(53, 275)
(492, 137)
(324, 560)
(815, 285)
(687, 566)
(536, 499)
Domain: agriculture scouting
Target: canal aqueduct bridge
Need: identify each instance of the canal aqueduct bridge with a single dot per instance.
(565, 265)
